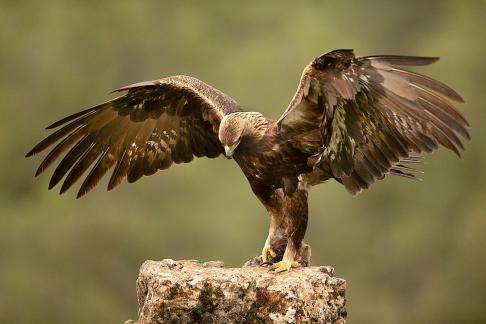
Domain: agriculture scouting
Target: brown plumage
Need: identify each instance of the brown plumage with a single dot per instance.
(351, 119)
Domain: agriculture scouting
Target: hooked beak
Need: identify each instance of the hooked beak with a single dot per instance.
(229, 150)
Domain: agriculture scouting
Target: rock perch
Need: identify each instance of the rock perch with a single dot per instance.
(171, 291)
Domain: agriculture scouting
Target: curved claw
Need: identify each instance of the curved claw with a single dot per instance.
(267, 249)
(285, 266)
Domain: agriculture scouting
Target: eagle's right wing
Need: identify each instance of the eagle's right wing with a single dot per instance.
(156, 123)
(359, 117)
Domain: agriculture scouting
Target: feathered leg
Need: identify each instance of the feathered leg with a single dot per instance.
(297, 252)
(276, 242)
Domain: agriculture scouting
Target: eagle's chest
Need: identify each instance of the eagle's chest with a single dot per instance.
(271, 163)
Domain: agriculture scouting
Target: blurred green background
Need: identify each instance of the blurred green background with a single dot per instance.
(411, 252)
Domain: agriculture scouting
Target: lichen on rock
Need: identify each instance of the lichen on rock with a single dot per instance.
(188, 291)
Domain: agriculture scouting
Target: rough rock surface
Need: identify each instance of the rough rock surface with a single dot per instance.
(192, 292)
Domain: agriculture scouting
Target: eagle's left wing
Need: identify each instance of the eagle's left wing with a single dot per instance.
(156, 123)
(360, 117)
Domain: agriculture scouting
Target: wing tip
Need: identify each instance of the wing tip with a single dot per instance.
(454, 95)
(137, 85)
(30, 153)
(404, 59)
(53, 125)
(114, 181)
(51, 185)
(33, 151)
(457, 97)
(80, 193)
(38, 172)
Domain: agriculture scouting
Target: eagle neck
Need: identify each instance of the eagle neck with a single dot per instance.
(255, 127)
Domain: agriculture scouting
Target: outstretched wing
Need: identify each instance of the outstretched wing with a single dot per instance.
(155, 124)
(360, 117)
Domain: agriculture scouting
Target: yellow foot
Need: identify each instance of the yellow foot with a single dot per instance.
(285, 265)
(267, 250)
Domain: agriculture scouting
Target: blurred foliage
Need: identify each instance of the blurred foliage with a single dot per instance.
(411, 252)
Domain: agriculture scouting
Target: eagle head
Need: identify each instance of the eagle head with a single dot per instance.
(231, 130)
(241, 126)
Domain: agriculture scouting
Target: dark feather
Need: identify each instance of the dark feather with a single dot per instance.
(402, 60)
(104, 163)
(66, 143)
(430, 83)
(84, 162)
(71, 158)
(121, 170)
(397, 172)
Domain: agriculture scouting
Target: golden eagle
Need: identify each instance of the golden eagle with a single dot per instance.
(352, 119)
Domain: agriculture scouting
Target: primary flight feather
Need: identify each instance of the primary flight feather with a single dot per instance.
(351, 119)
